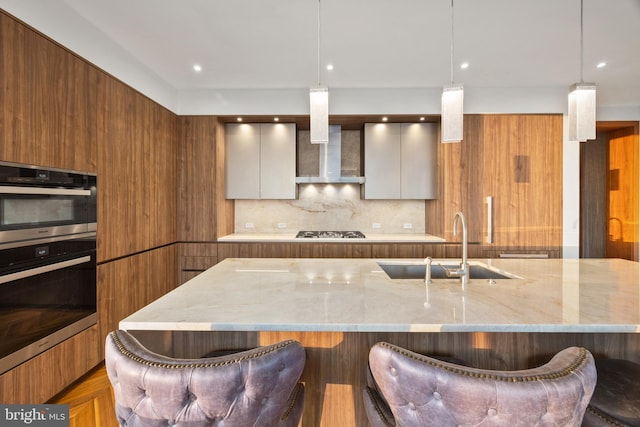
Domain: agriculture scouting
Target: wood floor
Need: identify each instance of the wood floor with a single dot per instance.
(90, 400)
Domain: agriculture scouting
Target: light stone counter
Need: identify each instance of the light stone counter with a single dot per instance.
(370, 238)
(356, 295)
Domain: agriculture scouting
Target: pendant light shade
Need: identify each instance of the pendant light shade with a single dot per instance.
(582, 101)
(452, 104)
(319, 103)
(319, 117)
(452, 113)
(582, 112)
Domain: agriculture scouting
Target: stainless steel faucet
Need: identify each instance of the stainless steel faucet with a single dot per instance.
(427, 270)
(463, 271)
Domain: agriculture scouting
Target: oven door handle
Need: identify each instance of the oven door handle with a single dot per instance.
(7, 189)
(44, 269)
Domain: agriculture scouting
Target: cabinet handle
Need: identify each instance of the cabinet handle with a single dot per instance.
(489, 219)
(43, 269)
(7, 189)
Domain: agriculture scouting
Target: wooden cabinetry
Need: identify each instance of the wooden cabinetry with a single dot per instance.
(260, 161)
(343, 250)
(137, 172)
(128, 284)
(400, 160)
(39, 378)
(58, 110)
(48, 103)
(197, 155)
(196, 258)
(517, 161)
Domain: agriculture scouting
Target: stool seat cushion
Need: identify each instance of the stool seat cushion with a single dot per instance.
(616, 399)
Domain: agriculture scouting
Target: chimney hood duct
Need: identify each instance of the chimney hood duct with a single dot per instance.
(330, 163)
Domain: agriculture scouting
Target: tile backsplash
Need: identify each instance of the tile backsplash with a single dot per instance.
(330, 207)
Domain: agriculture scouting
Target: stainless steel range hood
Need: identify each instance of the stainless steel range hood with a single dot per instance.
(330, 159)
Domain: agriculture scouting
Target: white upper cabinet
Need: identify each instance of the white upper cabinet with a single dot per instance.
(382, 160)
(419, 160)
(260, 161)
(278, 161)
(400, 160)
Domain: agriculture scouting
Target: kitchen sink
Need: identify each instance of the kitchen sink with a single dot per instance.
(417, 271)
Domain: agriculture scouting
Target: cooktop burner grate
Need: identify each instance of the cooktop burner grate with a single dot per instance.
(330, 235)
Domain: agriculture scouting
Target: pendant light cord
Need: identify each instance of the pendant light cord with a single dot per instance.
(451, 41)
(319, 24)
(581, 41)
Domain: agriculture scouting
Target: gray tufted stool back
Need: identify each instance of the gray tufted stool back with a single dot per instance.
(258, 387)
(408, 389)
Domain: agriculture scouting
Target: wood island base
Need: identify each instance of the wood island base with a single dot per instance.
(335, 372)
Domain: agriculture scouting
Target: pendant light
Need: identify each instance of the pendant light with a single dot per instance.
(582, 101)
(452, 101)
(319, 104)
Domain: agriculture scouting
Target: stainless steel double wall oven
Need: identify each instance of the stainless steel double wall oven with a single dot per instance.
(47, 258)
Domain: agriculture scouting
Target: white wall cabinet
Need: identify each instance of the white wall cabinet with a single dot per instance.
(400, 161)
(260, 161)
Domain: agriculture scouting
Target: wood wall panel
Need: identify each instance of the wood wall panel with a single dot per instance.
(593, 197)
(48, 104)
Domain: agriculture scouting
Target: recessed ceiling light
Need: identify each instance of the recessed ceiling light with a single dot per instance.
(601, 64)
(329, 67)
(464, 65)
(239, 119)
(197, 67)
(384, 119)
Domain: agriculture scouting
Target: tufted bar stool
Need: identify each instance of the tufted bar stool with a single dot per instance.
(408, 389)
(257, 387)
(616, 399)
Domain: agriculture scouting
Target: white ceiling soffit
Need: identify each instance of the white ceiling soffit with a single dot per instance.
(373, 44)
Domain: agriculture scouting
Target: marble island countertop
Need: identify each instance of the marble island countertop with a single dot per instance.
(370, 238)
(356, 295)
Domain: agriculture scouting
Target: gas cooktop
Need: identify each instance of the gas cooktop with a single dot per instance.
(330, 235)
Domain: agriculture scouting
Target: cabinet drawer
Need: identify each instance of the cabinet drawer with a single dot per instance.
(198, 262)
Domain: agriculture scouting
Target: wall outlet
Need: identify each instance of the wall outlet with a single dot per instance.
(407, 225)
(375, 225)
(248, 225)
(282, 225)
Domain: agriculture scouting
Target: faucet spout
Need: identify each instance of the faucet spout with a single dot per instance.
(463, 273)
(427, 270)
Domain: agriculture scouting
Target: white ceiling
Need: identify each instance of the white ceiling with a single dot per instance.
(272, 44)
